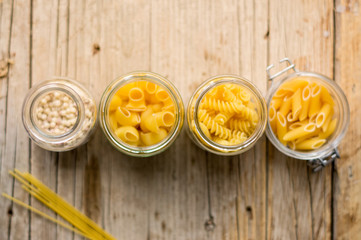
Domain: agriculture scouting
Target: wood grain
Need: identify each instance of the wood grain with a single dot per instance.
(347, 188)
(183, 193)
(14, 32)
(299, 204)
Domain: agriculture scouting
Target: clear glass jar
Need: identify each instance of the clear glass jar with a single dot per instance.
(141, 151)
(59, 114)
(318, 156)
(194, 128)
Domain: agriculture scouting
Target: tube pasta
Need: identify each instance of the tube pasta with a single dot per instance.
(301, 114)
(281, 124)
(227, 114)
(286, 106)
(310, 144)
(323, 115)
(128, 134)
(306, 98)
(141, 113)
(136, 100)
(296, 104)
(126, 118)
(315, 103)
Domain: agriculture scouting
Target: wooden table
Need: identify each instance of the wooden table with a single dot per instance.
(185, 192)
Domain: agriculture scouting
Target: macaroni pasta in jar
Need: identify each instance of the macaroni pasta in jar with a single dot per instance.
(141, 113)
(59, 114)
(226, 115)
(308, 116)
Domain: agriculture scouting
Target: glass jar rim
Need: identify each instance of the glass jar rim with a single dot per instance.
(50, 85)
(328, 148)
(203, 89)
(122, 80)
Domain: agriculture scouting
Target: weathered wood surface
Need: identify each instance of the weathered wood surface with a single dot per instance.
(183, 193)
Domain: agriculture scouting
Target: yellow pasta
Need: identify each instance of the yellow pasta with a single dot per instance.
(77, 221)
(115, 102)
(310, 144)
(276, 103)
(152, 138)
(301, 114)
(281, 124)
(299, 132)
(296, 104)
(126, 118)
(306, 99)
(128, 134)
(227, 114)
(286, 106)
(136, 100)
(141, 113)
(331, 128)
(315, 103)
(323, 115)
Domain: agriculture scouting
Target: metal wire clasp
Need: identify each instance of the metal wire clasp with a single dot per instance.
(319, 163)
(290, 66)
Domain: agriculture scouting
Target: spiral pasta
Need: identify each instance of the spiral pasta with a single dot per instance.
(227, 114)
(222, 106)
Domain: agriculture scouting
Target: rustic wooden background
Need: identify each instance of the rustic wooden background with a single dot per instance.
(183, 193)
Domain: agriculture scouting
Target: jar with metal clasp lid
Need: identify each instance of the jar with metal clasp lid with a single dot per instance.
(308, 115)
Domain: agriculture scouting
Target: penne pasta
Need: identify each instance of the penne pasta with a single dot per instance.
(315, 104)
(310, 144)
(323, 115)
(326, 97)
(299, 132)
(331, 128)
(276, 103)
(295, 84)
(286, 106)
(309, 116)
(272, 115)
(296, 104)
(306, 99)
(327, 122)
(281, 127)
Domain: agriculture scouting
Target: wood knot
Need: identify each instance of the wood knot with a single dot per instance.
(96, 48)
(209, 225)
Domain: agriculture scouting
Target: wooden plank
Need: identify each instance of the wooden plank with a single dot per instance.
(300, 201)
(47, 25)
(253, 37)
(347, 188)
(14, 143)
(121, 30)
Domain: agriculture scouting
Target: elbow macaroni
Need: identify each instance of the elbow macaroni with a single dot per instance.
(141, 113)
(226, 114)
(301, 114)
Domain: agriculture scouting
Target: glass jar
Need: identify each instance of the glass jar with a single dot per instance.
(194, 128)
(328, 152)
(59, 114)
(106, 125)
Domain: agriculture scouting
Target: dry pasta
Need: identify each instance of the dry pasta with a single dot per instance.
(301, 114)
(78, 222)
(227, 114)
(141, 113)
